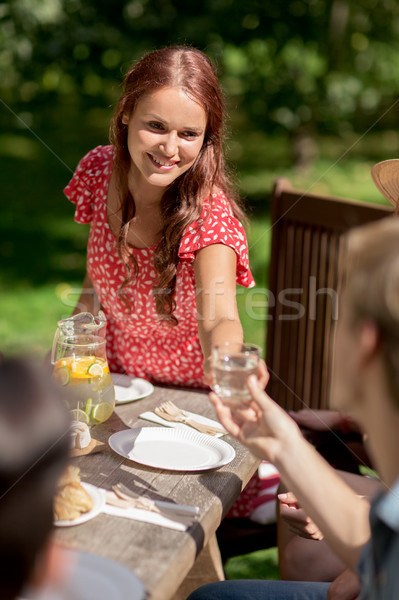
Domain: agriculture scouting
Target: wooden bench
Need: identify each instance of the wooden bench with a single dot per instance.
(307, 238)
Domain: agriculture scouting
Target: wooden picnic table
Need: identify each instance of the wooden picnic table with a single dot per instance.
(169, 563)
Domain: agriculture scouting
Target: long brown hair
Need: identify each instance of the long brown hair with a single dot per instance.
(182, 202)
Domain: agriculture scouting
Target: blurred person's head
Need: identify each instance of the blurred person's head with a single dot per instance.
(34, 442)
(368, 325)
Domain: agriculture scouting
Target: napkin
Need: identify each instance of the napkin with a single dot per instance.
(146, 516)
(151, 416)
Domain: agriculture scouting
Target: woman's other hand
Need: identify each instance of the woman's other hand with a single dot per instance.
(263, 374)
(297, 520)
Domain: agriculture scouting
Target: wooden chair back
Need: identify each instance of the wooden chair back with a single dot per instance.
(307, 240)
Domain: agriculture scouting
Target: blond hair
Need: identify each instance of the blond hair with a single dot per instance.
(371, 282)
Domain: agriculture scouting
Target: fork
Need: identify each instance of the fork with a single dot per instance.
(186, 515)
(170, 412)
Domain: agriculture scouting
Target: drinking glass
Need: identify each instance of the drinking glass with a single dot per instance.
(231, 365)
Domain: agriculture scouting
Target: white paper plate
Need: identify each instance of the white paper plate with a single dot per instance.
(95, 577)
(172, 449)
(128, 389)
(98, 500)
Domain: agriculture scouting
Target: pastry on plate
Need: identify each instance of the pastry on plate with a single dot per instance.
(71, 500)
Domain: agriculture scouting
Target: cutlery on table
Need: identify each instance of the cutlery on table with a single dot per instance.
(123, 497)
(170, 412)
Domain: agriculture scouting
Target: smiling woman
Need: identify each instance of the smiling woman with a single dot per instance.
(166, 246)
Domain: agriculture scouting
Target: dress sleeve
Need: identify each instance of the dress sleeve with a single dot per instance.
(219, 227)
(80, 190)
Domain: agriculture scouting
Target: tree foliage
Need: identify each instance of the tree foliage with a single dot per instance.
(318, 65)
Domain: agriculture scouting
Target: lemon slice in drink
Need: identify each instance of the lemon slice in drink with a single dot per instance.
(101, 412)
(95, 370)
(62, 375)
(79, 415)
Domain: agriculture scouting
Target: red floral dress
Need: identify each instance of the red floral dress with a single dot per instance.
(138, 343)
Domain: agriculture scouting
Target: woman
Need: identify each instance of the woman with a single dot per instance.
(166, 245)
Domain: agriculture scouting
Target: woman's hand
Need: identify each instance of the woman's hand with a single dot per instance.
(263, 374)
(297, 520)
(207, 378)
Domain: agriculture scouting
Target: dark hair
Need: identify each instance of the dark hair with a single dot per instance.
(34, 444)
(182, 202)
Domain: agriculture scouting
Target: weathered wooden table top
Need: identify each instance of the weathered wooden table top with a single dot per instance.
(159, 557)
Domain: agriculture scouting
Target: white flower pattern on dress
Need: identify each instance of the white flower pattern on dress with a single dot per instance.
(138, 343)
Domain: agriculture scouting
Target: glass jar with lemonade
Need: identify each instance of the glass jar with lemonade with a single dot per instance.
(80, 362)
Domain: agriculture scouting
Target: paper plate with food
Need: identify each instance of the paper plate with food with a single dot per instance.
(76, 502)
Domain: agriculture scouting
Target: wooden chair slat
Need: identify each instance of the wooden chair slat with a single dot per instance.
(302, 330)
(310, 322)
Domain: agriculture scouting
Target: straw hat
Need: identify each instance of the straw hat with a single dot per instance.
(385, 175)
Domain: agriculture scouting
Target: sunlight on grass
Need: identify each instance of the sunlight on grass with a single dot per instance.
(342, 167)
(262, 564)
(29, 319)
(252, 303)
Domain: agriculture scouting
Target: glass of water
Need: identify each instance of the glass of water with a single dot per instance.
(232, 363)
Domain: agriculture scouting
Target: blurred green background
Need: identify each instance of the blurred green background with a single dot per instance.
(312, 94)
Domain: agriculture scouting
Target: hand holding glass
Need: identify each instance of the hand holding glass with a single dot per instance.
(231, 364)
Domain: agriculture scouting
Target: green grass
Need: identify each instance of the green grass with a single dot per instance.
(252, 303)
(29, 317)
(262, 564)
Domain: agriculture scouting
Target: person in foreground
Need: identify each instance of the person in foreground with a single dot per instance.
(366, 387)
(166, 245)
(34, 444)
(34, 450)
